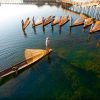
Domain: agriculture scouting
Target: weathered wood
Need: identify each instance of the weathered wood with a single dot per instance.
(56, 21)
(96, 27)
(37, 22)
(48, 20)
(88, 22)
(25, 24)
(63, 20)
(31, 56)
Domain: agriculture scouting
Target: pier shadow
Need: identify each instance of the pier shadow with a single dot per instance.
(49, 59)
(89, 38)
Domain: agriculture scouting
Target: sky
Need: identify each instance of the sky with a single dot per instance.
(11, 1)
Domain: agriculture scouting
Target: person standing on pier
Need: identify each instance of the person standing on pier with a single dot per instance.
(42, 20)
(92, 25)
(22, 22)
(33, 21)
(47, 43)
(60, 22)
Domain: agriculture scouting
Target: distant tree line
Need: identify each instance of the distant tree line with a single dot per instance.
(39, 0)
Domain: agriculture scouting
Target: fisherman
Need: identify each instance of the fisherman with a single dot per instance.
(84, 27)
(47, 43)
(43, 20)
(92, 25)
(60, 22)
(33, 20)
(22, 22)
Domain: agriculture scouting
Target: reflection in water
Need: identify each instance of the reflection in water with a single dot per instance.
(25, 34)
(70, 29)
(89, 37)
(59, 32)
(34, 28)
(44, 29)
(49, 59)
(60, 27)
(98, 43)
(52, 28)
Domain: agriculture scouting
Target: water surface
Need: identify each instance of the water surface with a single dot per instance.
(71, 72)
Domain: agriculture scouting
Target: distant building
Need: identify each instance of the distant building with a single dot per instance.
(38, 0)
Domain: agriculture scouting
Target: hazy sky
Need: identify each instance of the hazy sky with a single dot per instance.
(12, 1)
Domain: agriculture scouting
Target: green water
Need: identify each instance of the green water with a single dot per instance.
(70, 72)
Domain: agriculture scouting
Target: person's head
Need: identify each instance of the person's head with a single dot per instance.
(47, 38)
(22, 21)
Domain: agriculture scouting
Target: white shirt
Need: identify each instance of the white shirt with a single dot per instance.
(47, 42)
